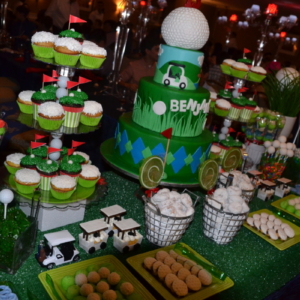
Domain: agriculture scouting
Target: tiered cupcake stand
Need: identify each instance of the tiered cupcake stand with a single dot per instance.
(54, 213)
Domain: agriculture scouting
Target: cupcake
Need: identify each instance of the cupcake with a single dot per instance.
(30, 161)
(71, 33)
(224, 94)
(222, 107)
(40, 97)
(89, 176)
(239, 70)
(42, 44)
(85, 43)
(13, 162)
(73, 107)
(47, 169)
(248, 110)
(50, 115)
(51, 88)
(27, 180)
(70, 168)
(62, 187)
(92, 113)
(215, 152)
(24, 102)
(237, 105)
(84, 155)
(76, 158)
(80, 94)
(257, 74)
(92, 56)
(213, 98)
(226, 66)
(67, 51)
(255, 112)
(40, 151)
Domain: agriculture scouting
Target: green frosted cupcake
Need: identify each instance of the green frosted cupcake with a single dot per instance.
(71, 33)
(27, 180)
(257, 74)
(70, 168)
(222, 107)
(50, 115)
(47, 169)
(73, 107)
(76, 158)
(42, 44)
(91, 114)
(40, 151)
(226, 66)
(79, 94)
(237, 105)
(225, 94)
(51, 88)
(92, 56)
(89, 176)
(62, 187)
(239, 70)
(39, 98)
(30, 161)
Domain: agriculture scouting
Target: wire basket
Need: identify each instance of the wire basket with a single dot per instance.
(218, 225)
(247, 195)
(163, 230)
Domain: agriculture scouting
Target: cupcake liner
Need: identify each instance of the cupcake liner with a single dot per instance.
(26, 109)
(72, 116)
(246, 115)
(212, 105)
(226, 69)
(91, 62)
(45, 182)
(35, 108)
(49, 124)
(238, 74)
(255, 77)
(61, 195)
(65, 59)
(90, 121)
(221, 112)
(234, 113)
(11, 170)
(45, 52)
(26, 189)
(87, 183)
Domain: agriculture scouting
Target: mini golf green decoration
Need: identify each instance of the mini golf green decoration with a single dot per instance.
(208, 174)
(231, 159)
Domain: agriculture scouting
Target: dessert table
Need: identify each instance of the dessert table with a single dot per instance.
(257, 268)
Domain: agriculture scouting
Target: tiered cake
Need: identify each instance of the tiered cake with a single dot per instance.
(171, 99)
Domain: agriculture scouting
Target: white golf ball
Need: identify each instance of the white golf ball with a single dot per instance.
(282, 139)
(276, 143)
(6, 196)
(271, 149)
(282, 145)
(283, 151)
(289, 146)
(290, 153)
(56, 143)
(222, 136)
(224, 130)
(61, 92)
(267, 144)
(62, 81)
(54, 156)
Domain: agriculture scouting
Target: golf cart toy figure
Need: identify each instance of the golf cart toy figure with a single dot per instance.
(93, 236)
(112, 214)
(127, 238)
(175, 76)
(56, 249)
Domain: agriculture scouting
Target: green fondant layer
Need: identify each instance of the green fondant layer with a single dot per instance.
(71, 34)
(181, 108)
(30, 161)
(71, 101)
(80, 94)
(39, 96)
(134, 143)
(67, 167)
(41, 151)
(47, 168)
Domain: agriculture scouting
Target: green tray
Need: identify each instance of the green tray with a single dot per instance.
(277, 204)
(281, 245)
(216, 287)
(59, 273)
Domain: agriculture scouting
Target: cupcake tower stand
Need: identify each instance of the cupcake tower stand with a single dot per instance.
(54, 213)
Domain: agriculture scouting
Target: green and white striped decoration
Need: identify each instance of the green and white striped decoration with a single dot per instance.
(71, 119)
(45, 183)
(234, 113)
(35, 110)
(222, 153)
(245, 115)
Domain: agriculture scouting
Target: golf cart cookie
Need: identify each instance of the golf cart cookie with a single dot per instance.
(112, 214)
(57, 248)
(93, 236)
(266, 190)
(127, 238)
(282, 189)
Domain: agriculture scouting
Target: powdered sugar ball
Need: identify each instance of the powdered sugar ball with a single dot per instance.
(282, 139)
(283, 145)
(185, 27)
(271, 149)
(289, 146)
(267, 144)
(283, 151)
(276, 143)
(290, 153)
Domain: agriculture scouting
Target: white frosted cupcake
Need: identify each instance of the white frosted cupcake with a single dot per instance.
(91, 114)
(239, 69)
(24, 102)
(13, 162)
(222, 107)
(67, 51)
(62, 187)
(257, 74)
(89, 176)
(50, 115)
(226, 65)
(27, 180)
(42, 44)
(92, 56)
(84, 155)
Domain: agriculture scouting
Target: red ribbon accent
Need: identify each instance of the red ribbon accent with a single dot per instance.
(73, 109)
(149, 193)
(101, 181)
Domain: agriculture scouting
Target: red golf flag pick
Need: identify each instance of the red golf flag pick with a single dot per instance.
(167, 133)
(243, 89)
(39, 136)
(54, 74)
(73, 19)
(34, 145)
(47, 78)
(71, 151)
(76, 144)
(71, 84)
(83, 80)
(51, 150)
(193, 3)
(228, 85)
(246, 50)
(230, 130)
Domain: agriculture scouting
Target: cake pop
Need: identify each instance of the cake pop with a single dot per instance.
(6, 196)
(276, 143)
(289, 146)
(290, 153)
(282, 139)
(271, 150)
